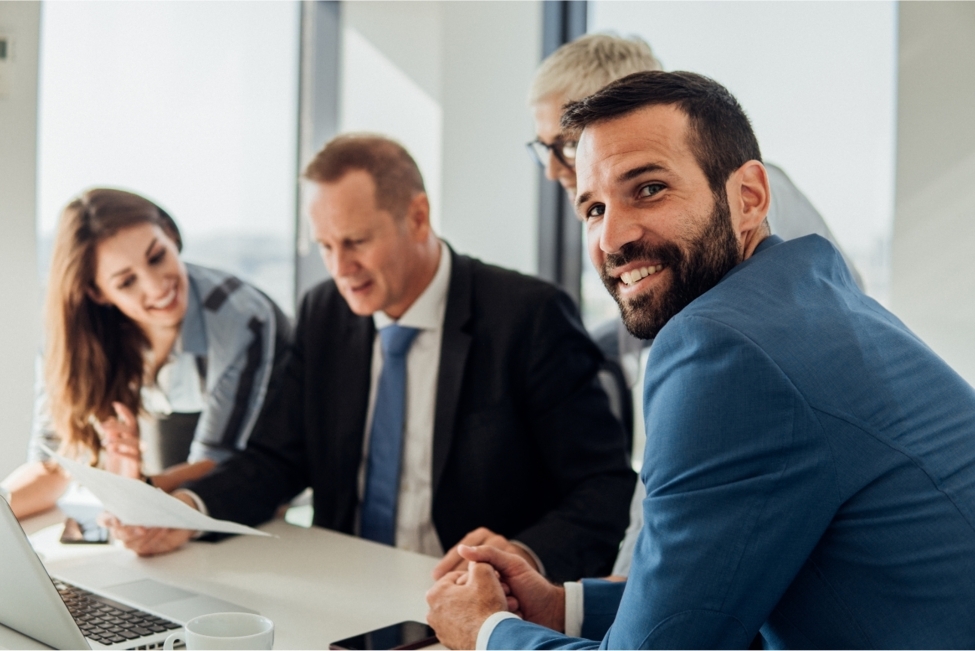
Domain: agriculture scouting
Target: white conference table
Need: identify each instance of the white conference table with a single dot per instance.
(316, 585)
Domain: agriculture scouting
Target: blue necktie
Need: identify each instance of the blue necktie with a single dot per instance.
(386, 438)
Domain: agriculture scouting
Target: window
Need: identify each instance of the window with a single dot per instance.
(394, 92)
(193, 105)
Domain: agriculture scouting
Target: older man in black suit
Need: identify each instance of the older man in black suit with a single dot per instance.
(430, 399)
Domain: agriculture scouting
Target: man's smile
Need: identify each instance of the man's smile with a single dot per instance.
(635, 275)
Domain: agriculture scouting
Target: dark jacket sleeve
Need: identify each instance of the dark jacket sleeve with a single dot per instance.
(581, 445)
(249, 487)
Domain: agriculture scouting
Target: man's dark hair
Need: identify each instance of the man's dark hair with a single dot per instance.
(391, 167)
(721, 136)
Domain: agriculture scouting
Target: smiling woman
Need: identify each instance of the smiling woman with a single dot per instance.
(133, 330)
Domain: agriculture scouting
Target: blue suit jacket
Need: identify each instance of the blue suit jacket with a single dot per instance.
(810, 472)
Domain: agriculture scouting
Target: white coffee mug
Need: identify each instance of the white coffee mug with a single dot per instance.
(225, 631)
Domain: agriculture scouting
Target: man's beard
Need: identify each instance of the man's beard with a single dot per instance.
(694, 270)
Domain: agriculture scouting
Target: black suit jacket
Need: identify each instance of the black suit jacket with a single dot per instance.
(524, 442)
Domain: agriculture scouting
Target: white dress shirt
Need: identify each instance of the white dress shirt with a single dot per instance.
(414, 519)
(177, 388)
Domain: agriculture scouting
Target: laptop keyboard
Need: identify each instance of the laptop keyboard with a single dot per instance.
(107, 621)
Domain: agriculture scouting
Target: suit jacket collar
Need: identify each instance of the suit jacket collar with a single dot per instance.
(764, 245)
(346, 405)
(453, 359)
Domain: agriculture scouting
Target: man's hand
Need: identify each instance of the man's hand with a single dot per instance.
(120, 438)
(461, 601)
(453, 562)
(538, 601)
(175, 476)
(148, 541)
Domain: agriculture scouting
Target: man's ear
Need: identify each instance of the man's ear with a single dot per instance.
(751, 192)
(418, 216)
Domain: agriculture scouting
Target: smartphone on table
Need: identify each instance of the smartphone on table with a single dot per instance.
(405, 635)
(83, 532)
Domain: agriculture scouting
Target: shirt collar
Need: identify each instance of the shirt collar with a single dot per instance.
(192, 334)
(428, 309)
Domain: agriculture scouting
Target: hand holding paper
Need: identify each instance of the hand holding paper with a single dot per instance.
(120, 440)
(135, 503)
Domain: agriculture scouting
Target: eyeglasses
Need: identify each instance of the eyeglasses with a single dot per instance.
(564, 150)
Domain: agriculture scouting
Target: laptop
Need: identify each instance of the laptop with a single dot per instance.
(99, 606)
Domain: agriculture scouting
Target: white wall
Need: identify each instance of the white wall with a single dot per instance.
(19, 291)
(449, 81)
(934, 227)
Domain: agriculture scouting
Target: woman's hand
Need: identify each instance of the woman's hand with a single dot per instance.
(120, 440)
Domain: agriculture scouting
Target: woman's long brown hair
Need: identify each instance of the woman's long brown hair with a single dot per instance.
(94, 353)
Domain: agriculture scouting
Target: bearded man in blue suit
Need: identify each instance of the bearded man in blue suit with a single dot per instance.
(810, 463)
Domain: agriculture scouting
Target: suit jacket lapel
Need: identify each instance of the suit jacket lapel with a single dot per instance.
(453, 359)
(349, 401)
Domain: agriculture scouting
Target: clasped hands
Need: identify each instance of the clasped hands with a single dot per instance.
(494, 581)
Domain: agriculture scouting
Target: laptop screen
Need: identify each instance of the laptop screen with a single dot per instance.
(29, 602)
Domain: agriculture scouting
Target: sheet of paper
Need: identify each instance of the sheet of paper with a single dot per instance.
(137, 503)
